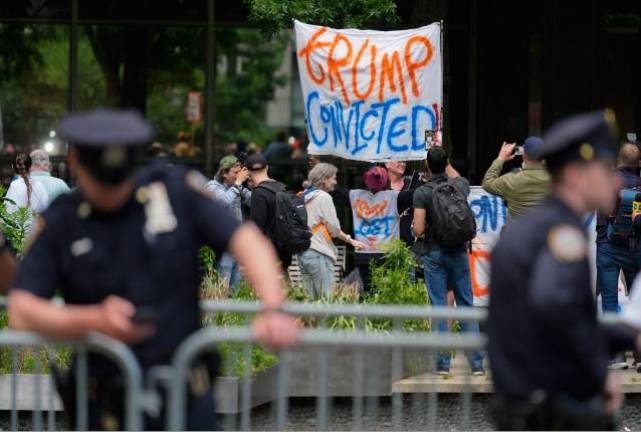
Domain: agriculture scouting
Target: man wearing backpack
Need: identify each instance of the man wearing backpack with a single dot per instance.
(444, 226)
(618, 244)
(279, 214)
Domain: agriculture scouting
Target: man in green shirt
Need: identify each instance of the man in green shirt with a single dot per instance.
(524, 189)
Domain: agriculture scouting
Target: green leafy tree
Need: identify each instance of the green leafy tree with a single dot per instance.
(248, 82)
(273, 16)
(150, 68)
(32, 92)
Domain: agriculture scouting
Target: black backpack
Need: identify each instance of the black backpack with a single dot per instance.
(289, 230)
(453, 222)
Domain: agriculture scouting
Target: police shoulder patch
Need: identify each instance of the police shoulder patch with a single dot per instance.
(567, 243)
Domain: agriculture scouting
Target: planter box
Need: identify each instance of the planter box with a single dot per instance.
(228, 391)
(304, 370)
(303, 376)
(25, 392)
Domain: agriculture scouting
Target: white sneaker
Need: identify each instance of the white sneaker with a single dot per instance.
(618, 362)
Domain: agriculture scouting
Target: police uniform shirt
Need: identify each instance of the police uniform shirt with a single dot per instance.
(146, 252)
(543, 329)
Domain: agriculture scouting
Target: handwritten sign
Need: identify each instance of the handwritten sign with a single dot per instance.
(490, 212)
(376, 218)
(370, 95)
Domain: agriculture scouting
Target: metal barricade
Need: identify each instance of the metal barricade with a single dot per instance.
(360, 351)
(116, 351)
(364, 346)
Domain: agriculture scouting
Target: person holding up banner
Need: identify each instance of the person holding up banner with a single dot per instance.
(376, 215)
(400, 182)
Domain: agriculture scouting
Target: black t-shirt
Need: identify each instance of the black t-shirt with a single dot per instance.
(406, 211)
(263, 204)
(263, 212)
(137, 253)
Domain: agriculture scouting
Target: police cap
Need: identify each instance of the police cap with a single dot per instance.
(579, 138)
(107, 141)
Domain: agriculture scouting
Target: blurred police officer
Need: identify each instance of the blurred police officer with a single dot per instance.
(124, 244)
(548, 353)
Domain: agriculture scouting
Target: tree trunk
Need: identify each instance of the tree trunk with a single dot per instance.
(134, 85)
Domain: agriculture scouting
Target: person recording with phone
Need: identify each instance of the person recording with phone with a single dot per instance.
(521, 190)
(228, 188)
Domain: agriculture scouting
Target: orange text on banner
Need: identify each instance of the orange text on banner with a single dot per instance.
(385, 67)
(477, 289)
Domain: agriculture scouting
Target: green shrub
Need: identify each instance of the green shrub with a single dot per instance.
(232, 353)
(16, 225)
(392, 284)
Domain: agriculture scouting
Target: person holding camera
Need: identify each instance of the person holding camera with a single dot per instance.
(524, 189)
(227, 187)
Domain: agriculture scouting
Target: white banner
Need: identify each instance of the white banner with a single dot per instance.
(370, 95)
(491, 215)
(490, 212)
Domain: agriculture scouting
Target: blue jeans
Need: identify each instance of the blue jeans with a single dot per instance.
(317, 272)
(610, 261)
(450, 268)
(228, 269)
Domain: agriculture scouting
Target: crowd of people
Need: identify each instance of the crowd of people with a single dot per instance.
(134, 239)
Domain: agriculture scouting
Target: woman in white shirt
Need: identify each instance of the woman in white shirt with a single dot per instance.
(24, 191)
(317, 263)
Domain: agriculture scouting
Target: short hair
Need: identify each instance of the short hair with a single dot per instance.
(629, 155)
(281, 135)
(437, 160)
(320, 172)
(40, 158)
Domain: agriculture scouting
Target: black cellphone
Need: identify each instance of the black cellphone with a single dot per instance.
(144, 315)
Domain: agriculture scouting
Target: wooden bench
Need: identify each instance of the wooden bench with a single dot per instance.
(339, 268)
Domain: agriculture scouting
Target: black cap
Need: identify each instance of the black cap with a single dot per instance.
(107, 141)
(579, 138)
(256, 162)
